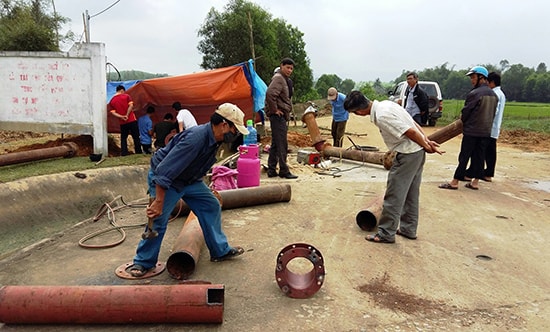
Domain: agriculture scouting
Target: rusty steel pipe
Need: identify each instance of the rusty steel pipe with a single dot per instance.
(373, 157)
(186, 250)
(67, 150)
(368, 218)
(446, 133)
(243, 197)
(309, 119)
(194, 303)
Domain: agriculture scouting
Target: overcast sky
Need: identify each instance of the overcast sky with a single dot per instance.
(356, 39)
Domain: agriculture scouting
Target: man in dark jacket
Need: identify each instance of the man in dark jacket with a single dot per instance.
(279, 106)
(417, 106)
(477, 118)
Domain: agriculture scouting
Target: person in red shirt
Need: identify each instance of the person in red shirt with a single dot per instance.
(121, 106)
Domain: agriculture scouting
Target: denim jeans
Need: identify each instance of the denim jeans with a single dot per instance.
(204, 205)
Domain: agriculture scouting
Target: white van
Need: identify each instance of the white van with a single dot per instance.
(435, 100)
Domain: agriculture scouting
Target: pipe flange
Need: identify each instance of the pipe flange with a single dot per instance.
(300, 285)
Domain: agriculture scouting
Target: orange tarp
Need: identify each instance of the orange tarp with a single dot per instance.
(200, 93)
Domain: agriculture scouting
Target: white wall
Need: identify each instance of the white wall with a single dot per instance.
(56, 92)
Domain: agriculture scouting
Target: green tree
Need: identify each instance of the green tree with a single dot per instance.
(244, 29)
(347, 86)
(513, 81)
(28, 26)
(325, 82)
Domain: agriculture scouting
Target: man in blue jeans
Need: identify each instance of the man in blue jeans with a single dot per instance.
(176, 172)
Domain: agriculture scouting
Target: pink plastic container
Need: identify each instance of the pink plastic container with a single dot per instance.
(249, 151)
(248, 166)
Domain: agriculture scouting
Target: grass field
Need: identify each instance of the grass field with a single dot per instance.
(517, 115)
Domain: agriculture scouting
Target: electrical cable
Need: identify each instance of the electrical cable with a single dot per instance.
(106, 208)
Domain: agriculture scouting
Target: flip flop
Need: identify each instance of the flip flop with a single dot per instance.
(378, 239)
(469, 186)
(447, 185)
(398, 232)
(136, 270)
(233, 252)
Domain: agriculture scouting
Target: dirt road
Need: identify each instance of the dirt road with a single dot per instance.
(480, 263)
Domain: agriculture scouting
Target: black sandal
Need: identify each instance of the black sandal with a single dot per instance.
(136, 270)
(378, 239)
(233, 252)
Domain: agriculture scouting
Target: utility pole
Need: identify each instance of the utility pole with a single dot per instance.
(251, 40)
(86, 19)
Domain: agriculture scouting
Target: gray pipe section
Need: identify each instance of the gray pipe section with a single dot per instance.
(243, 197)
(66, 150)
(380, 158)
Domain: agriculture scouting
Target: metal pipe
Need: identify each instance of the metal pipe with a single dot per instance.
(242, 197)
(373, 157)
(368, 219)
(309, 119)
(193, 303)
(446, 133)
(67, 150)
(186, 250)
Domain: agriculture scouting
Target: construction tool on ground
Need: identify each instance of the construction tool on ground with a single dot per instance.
(149, 233)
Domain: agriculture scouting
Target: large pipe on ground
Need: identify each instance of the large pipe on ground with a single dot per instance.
(187, 248)
(373, 157)
(67, 150)
(368, 219)
(243, 197)
(193, 303)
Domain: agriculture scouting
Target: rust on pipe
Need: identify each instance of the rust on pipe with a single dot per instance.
(186, 250)
(446, 133)
(373, 157)
(368, 219)
(309, 119)
(193, 303)
(187, 247)
(66, 150)
(243, 197)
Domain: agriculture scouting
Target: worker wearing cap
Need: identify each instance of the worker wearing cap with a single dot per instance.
(477, 120)
(339, 116)
(177, 172)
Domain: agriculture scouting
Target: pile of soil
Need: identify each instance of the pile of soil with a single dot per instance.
(17, 141)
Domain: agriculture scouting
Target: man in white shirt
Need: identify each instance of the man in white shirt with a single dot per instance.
(405, 137)
(491, 151)
(185, 119)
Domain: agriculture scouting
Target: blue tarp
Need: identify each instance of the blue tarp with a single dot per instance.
(111, 87)
(258, 86)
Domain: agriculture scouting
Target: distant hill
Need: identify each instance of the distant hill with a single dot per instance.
(127, 75)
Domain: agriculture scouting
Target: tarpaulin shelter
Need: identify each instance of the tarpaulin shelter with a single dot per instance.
(201, 93)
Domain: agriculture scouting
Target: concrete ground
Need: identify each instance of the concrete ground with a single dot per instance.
(480, 263)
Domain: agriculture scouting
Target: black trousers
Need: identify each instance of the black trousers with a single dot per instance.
(279, 145)
(472, 149)
(126, 129)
